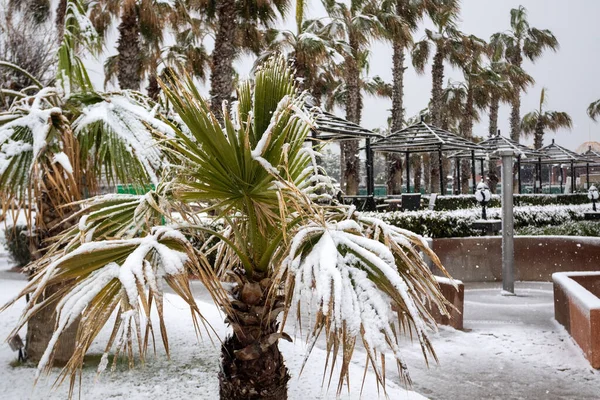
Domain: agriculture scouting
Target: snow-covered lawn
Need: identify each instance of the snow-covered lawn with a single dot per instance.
(190, 374)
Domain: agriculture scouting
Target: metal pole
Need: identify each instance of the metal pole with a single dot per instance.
(508, 249)
(441, 171)
(370, 176)
(407, 172)
(473, 170)
(519, 175)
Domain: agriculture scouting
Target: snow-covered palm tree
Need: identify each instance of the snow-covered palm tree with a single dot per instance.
(57, 143)
(250, 184)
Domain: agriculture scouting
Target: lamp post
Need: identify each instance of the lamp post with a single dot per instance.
(483, 196)
(593, 195)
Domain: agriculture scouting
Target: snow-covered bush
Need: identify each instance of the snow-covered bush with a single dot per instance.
(572, 228)
(457, 202)
(440, 224)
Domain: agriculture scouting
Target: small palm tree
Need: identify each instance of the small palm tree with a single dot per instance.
(536, 122)
(594, 109)
(277, 247)
(522, 41)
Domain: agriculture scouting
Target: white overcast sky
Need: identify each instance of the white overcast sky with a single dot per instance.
(571, 76)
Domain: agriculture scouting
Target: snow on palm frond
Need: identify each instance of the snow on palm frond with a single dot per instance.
(123, 273)
(356, 270)
(127, 121)
(314, 181)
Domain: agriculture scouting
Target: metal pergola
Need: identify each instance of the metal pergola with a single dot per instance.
(499, 143)
(424, 138)
(556, 154)
(594, 161)
(330, 127)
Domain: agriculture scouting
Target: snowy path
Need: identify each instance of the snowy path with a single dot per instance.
(513, 349)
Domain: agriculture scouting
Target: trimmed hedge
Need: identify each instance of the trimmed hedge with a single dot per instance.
(443, 224)
(464, 201)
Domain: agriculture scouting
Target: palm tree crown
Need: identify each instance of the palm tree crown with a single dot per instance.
(537, 121)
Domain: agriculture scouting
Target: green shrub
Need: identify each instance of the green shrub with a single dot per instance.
(17, 244)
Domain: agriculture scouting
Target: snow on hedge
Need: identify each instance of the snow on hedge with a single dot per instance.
(457, 223)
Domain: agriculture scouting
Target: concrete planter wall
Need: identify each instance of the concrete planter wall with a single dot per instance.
(479, 259)
(577, 308)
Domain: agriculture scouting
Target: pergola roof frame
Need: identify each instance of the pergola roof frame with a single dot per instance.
(498, 143)
(331, 127)
(422, 138)
(556, 154)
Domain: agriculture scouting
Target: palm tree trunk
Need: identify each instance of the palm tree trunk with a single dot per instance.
(351, 167)
(466, 130)
(40, 326)
(492, 176)
(153, 88)
(538, 137)
(515, 112)
(129, 48)
(61, 10)
(437, 76)
(222, 72)
(393, 160)
(252, 366)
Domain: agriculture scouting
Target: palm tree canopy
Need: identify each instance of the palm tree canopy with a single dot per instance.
(594, 109)
(546, 119)
(523, 40)
(257, 176)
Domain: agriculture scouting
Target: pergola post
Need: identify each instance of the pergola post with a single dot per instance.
(587, 175)
(370, 175)
(508, 253)
(560, 178)
(541, 178)
(519, 174)
(441, 172)
(572, 178)
(474, 181)
(481, 166)
(457, 164)
(408, 172)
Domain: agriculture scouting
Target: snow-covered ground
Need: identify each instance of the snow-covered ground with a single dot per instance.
(190, 374)
(511, 349)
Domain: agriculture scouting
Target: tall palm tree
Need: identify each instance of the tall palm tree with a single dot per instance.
(443, 14)
(237, 27)
(522, 41)
(400, 18)
(536, 122)
(359, 24)
(499, 79)
(312, 49)
(57, 143)
(276, 246)
(141, 34)
(594, 109)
